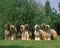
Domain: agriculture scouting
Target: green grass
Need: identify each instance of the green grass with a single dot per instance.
(29, 44)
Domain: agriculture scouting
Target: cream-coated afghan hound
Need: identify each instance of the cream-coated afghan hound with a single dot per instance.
(25, 35)
(36, 32)
(13, 32)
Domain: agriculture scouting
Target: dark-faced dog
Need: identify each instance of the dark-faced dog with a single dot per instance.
(7, 32)
(19, 32)
(31, 32)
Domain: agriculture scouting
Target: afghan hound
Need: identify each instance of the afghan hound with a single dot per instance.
(25, 35)
(19, 32)
(26, 31)
(31, 32)
(54, 34)
(37, 32)
(7, 32)
(43, 33)
(22, 29)
(51, 32)
(13, 32)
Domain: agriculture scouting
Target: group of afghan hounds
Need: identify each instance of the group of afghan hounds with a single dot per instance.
(28, 32)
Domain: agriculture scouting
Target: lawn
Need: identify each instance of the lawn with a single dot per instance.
(29, 44)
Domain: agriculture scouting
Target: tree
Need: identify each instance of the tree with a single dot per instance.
(59, 6)
(28, 10)
(47, 8)
(47, 16)
(50, 15)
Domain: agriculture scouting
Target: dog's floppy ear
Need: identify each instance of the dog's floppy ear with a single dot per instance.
(47, 27)
(26, 26)
(43, 26)
(7, 26)
(22, 28)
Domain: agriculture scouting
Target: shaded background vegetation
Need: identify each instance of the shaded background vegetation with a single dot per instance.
(28, 11)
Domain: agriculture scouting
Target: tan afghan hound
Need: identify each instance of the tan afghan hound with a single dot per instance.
(24, 29)
(54, 34)
(47, 32)
(13, 32)
(51, 32)
(27, 31)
